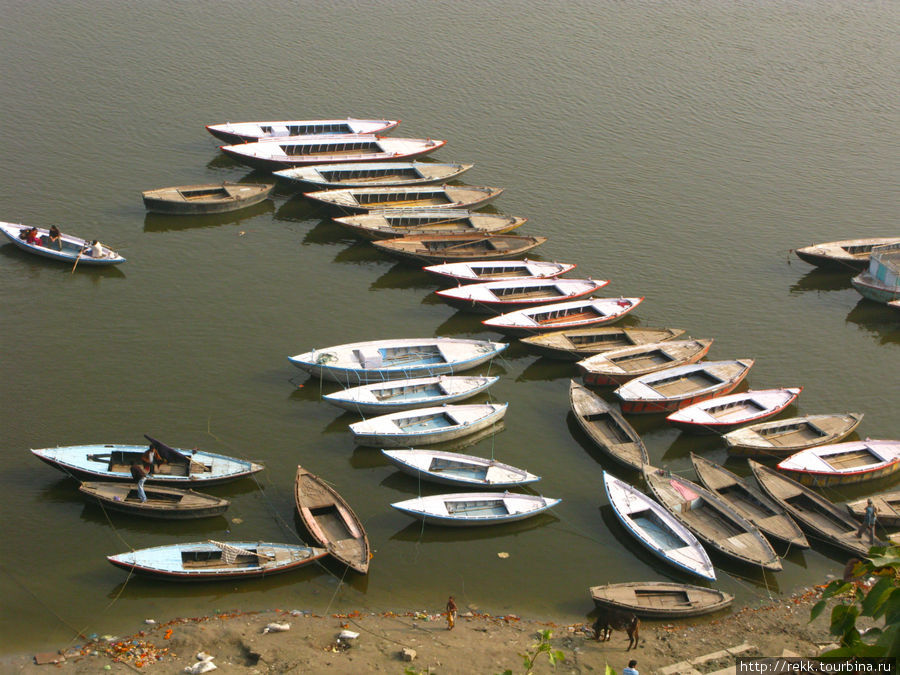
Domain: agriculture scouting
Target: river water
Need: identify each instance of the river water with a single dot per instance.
(678, 149)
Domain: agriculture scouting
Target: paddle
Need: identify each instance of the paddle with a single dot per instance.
(76, 260)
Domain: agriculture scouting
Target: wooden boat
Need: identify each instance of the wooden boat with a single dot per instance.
(283, 153)
(673, 388)
(712, 520)
(496, 297)
(782, 438)
(379, 398)
(499, 270)
(214, 560)
(661, 599)
(722, 414)
(69, 248)
(606, 427)
(846, 254)
(393, 223)
(657, 529)
(162, 501)
(207, 198)
(579, 343)
(360, 200)
(750, 502)
(396, 359)
(881, 281)
(435, 248)
(475, 508)
(331, 522)
(373, 174)
(425, 426)
(887, 504)
(843, 463)
(818, 516)
(617, 366)
(453, 468)
(243, 132)
(558, 315)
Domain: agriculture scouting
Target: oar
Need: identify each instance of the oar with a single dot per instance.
(468, 243)
(76, 260)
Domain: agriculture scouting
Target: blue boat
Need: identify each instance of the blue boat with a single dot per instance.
(69, 249)
(881, 282)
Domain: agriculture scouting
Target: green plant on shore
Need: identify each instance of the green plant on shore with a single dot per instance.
(542, 646)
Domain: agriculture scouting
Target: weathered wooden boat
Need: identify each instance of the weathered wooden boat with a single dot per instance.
(373, 174)
(162, 502)
(746, 498)
(396, 359)
(68, 249)
(379, 398)
(579, 343)
(497, 297)
(559, 315)
(782, 438)
(661, 599)
(618, 366)
(283, 153)
(712, 520)
(814, 513)
(887, 505)
(881, 281)
(475, 508)
(425, 426)
(393, 223)
(843, 463)
(243, 132)
(454, 468)
(360, 200)
(606, 427)
(673, 388)
(435, 248)
(206, 198)
(656, 529)
(214, 560)
(722, 414)
(499, 270)
(331, 522)
(847, 254)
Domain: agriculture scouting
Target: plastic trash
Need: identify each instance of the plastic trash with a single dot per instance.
(348, 635)
(200, 667)
(276, 627)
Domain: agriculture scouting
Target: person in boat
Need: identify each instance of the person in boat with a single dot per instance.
(32, 237)
(53, 238)
(96, 250)
(451, 613)
(868, 523)
(142, 469)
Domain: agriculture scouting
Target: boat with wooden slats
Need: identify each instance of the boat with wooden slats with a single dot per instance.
(667, 390)
(607, 428)
(244, 132)
(206, 198)
(475, 508)
(661, 599)
(747, 499)
(496, 297)
(379, 398)
(617, 366)
(330, 521)
(579, 343)
(656, 529)
(498, 270)
(454, 468)
(68, 249)
(712, 520)
(722, 414)
(360, 200)
(887, 505)
(424, 426)
(559, 315)
(436, 248)
(843, 463)
(846, 254)
(372, 174)
(393, 223)
(163, 502)
(814, 513)
(782, 438)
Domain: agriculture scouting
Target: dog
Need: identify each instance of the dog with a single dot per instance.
(613, 619)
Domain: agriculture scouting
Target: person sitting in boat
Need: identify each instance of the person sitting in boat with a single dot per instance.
(96, 249)
(31, 237)
(142, 469)
(53, 238)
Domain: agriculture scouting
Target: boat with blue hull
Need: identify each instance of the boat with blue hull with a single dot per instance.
(381, 398)
(68, 248)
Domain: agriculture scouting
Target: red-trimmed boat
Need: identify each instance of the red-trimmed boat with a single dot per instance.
(722, 414)
(246, 132)
(497, 297)
(843, 463)
(559, 315)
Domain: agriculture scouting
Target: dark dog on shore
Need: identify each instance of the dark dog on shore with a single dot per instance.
(612, 619)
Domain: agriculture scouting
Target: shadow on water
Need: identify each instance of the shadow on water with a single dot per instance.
(165, 222)
(877, 318)
(361, 252)
(298, 207)
(822, 280)
(404, 277)
(546, 370)
(194, 529)
(464, 323)
(327, 232)
(222, 161)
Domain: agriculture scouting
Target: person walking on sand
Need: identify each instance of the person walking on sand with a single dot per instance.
(631, 669)
(868, 522)
(451, 613)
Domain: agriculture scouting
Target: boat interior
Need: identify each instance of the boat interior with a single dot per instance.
(336, 148)
(611, 339)
(426, 422)
(661, 598)
(455, 468)
(478, 507)
(684, 384)
(737, 494)
(409, 392)
(395, 198)
(739, 409)
(566, 315)
(331, 522)
(403, 221)
(605, 426)
(377, 357)
(120, 461)
(359, 175)
(306, 129)
(642, 361)
(820, 517)
(852, 459)
(195, 194)
(792, 434)
(525, 292)
(656, 529)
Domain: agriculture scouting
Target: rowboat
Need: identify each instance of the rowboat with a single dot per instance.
(843, 463)
(606, 427)
(425, 426)
(673, 388)
(499, 270)
(395, 359)
(661, 599)
(881, 281)
(887, 505)
(206, 198)
(453, 468)
(360, 200)
(162, 502)
(750, 502)
(617, 366)
(722, 414)
(242, 132)
(68, 249)
(475, 508)
(379, 398)
(496, 297)
(782, 438)
(330, 521)
(712, 520)
(284, 153)
(657, 529)
(818, 516)
(372, 174)
(393, 223)
(579, 343)
(559, 315)
(435, 248)
(214, 560)
(846, 254)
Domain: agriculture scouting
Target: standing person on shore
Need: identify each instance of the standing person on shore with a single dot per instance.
(631, 669)
(451, 613)
(868, 522)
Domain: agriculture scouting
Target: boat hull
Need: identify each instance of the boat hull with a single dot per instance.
(384, 405)
(230, 199)
(425, 435)
(162, 503)
(452, 468)
(661, 600)
(476, 509)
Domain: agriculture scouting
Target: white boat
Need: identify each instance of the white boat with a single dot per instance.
(616, 366)
(843, 463)
(373, 174)
(560, 315)
(722, 414)
(359, 200)
(496, 297)
(243, 132)
(425, 426)
(497, 270)
(846, 254)
(68, 249)
(454, 468)
(475, 508)
(394, 223)
(396, 395)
